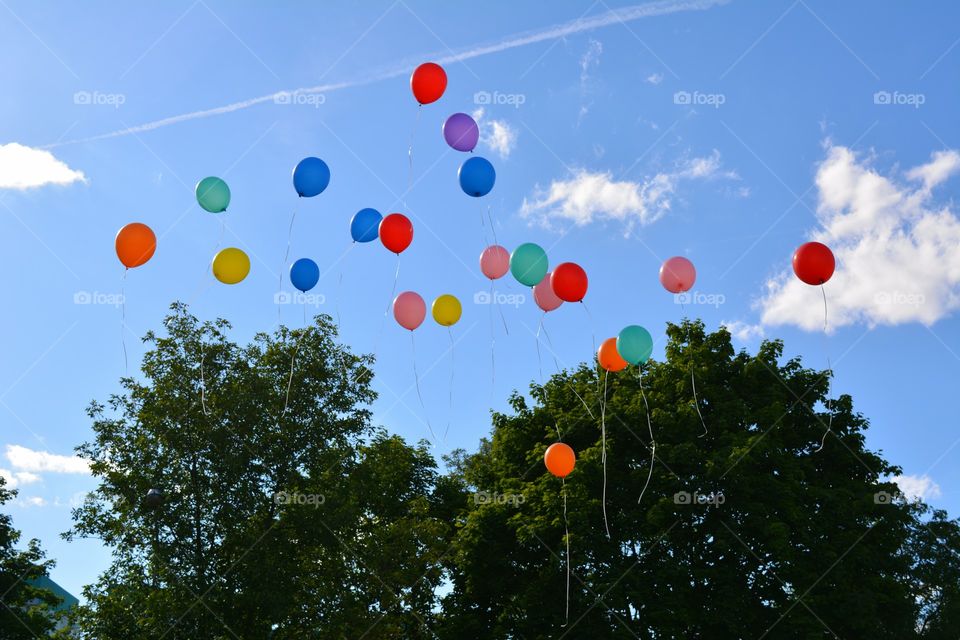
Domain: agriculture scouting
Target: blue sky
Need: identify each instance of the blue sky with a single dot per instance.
(622, 135)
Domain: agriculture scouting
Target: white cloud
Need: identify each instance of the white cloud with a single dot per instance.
(917, 487)
(744, 331)
(897, 258)
(31, 501)
(15, 479)
(24, 459)
(596, 196)
(655, 78)
(25, 168)
(497, 135)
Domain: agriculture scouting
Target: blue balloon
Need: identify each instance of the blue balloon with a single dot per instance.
(304, 274)
(477, 176)
(365, 225)
(310, 177)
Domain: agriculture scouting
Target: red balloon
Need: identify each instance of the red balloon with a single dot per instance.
(428, 82)
(569, 282)
(396, 232)
(813, 263)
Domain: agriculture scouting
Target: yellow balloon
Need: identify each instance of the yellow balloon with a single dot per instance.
(231, 265)
(446, 310)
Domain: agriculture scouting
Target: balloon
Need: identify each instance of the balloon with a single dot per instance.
(559, 459)
(409, 310)
(813, 263)
(461, 132)
(364, 225)
(477, 176)
(609, 358)
(428, 82)
(677, 274)
(231, 265)
(569, 282)
(634, 344)
(544, 296)
(213, 194)
(495, 261)
(528, 264)
(310, 177)
(446, 310)
(396, 232)
(304, 274)
(135, 244)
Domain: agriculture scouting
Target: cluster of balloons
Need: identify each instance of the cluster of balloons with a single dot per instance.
(529, 266)
(410, 310)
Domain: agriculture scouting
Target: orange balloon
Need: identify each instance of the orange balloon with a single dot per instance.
(136, 243)
(560, 459)
(609, 357)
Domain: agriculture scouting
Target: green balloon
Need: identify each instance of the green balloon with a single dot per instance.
(634, 344)
(528, 264)
(213, 194)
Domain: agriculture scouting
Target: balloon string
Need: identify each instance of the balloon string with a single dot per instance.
(499, 307)
(410, 156)
(537, 340)
(566, 537)
(603, 453)
(493, 348)
(693, 382)
(493, 228)
(572, 388)
(340, 282)
(203, 382)
(293, 359)
(453, 369)
(123, 320)
(653, 444)
(286, 256)
(593, 336)
(826, 350)
(416, 378)
(393, 291)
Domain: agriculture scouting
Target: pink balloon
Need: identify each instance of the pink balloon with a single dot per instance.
(677, 274)
(409, 309)
(495, 261)
(544, 296)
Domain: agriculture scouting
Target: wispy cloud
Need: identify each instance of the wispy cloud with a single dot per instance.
(497, 135)
(605, 19)
(23, 167)
(896, 249)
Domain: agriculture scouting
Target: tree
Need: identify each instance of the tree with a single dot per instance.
(25, 610)
(748, 530)
(279, 511)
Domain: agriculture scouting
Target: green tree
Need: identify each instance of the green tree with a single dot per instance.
(285, 514)
(25, 610)
(749, 530)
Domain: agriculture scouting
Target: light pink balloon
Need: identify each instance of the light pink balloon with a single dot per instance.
(409, 309)
(677, 274)
(495, 261)
(544, 296)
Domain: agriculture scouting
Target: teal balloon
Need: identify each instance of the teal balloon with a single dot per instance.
(213, 194)
(528, 264)
(634, 344)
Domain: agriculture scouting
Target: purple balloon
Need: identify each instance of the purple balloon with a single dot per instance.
(461, 132)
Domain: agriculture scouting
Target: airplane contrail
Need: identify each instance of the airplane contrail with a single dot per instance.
(614, 16)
